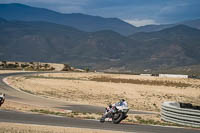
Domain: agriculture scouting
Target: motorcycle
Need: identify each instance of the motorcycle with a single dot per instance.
(2, 99)
(115, 116)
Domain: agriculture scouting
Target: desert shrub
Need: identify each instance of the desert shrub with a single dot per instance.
(144, 82)
(66, 67)
(24, 65)
(87, 69)
(12, 66)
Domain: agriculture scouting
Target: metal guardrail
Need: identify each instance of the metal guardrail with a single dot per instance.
(174, 112)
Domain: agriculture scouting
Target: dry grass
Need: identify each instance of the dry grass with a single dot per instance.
(145, 119)
(16, 106)
(11, 105)
(141, 92)
(152, 119)
(10, 71)
(69, 114)
(142, 82)
(27, 128)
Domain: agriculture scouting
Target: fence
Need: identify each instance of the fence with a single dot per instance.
(181, 113)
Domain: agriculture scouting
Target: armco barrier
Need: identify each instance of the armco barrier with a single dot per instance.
(173, 112)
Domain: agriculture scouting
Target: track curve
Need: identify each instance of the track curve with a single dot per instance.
(31, 118)
(24, 97)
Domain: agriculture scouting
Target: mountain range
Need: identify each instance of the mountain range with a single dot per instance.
(80, 21)
(176, 46)
(49, 42)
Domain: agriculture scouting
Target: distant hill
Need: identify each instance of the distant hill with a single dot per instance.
(192, 23)
(35, 41)
(151, 28)
(80, 21)
(102, 50)
(48, 42)
(176, 46)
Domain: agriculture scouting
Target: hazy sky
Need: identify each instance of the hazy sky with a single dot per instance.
(137, 12)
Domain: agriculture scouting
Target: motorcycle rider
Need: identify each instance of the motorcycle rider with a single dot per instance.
(112, 108)
(122, 102)
(2, 99)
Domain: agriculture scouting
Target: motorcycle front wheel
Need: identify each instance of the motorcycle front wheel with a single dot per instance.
(102, 120)
(117, 118)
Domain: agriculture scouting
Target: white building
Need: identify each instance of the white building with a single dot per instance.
(145, 74)
(172, 76)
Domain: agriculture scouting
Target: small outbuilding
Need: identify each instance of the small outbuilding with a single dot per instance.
(173, 76)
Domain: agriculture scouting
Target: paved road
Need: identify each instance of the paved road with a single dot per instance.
(19, 117)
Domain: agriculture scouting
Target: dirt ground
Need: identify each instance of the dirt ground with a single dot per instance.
(28, 128)
(142, 92)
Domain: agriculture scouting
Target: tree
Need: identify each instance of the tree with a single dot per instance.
(46, 66)
(87, 69)
(4, 64)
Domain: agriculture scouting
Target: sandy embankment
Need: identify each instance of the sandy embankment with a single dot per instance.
(28, 128)
(78, 87)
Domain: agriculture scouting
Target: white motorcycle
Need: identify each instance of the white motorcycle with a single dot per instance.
(2, 99)
(118, 114)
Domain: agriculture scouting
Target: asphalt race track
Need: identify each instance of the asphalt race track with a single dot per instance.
(31, 118)
(13, 94)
